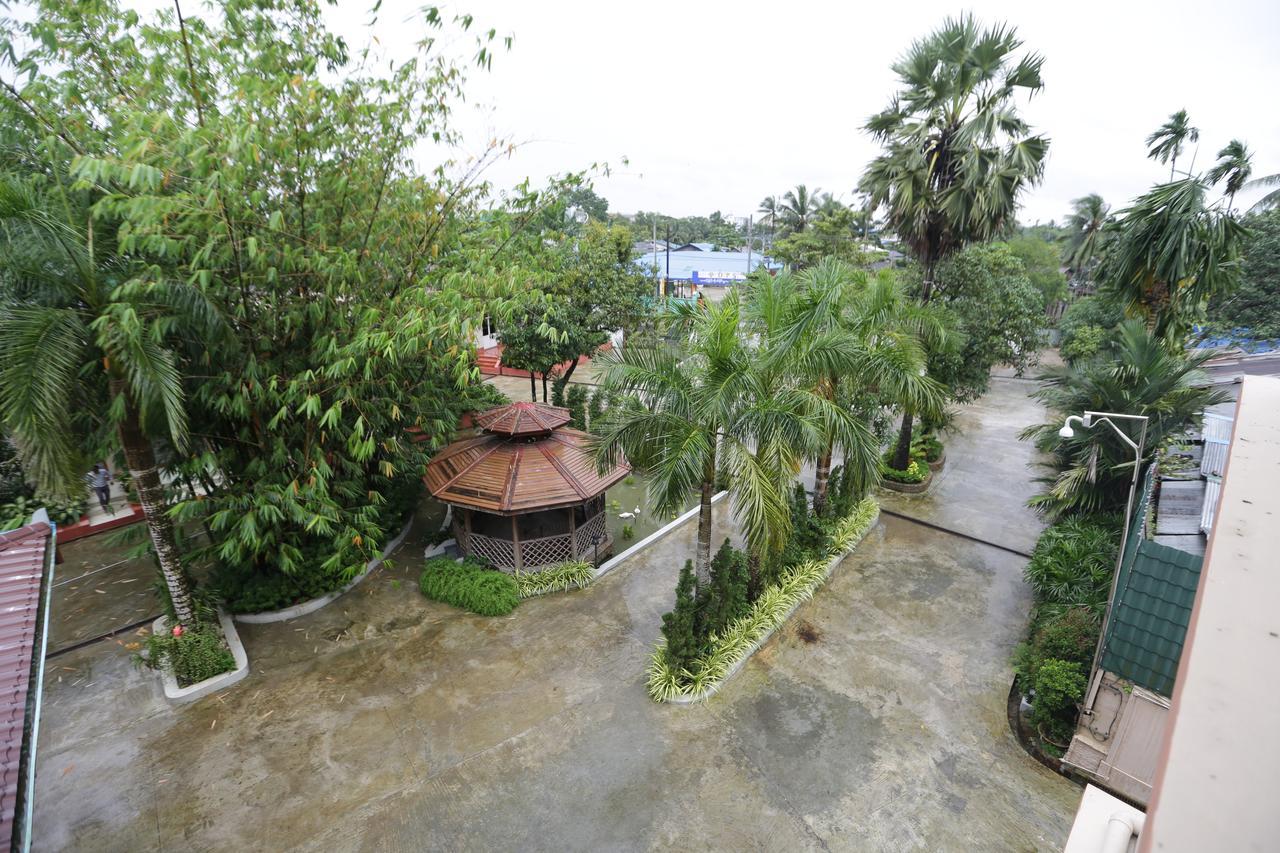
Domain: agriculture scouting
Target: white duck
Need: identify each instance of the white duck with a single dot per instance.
(629, 515)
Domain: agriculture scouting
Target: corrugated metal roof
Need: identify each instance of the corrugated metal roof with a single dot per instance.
(24, 557)
(1149, 618)
(705, 266)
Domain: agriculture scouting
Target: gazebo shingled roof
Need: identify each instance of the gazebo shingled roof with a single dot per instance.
(523, 419)
(509, 474)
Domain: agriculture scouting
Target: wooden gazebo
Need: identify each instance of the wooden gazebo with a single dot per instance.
(525, 491)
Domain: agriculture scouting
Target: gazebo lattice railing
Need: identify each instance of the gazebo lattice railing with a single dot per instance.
(533, 554)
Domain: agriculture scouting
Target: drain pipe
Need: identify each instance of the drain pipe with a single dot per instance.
(1121, 829)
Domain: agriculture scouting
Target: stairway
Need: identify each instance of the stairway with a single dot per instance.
(489, 361)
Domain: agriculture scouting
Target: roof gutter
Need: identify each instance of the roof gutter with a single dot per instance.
(37, 689)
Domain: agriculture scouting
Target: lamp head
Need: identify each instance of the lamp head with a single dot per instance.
(1066, 431)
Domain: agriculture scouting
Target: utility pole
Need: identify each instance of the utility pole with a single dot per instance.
(750, 219)
(667, 277)
(655, 256)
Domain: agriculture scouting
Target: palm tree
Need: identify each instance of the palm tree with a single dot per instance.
(843, 335)
(1139, 375)
(1235, 164)
(1166, 143)
(1271, 199)
(707, 406)
(1170, 255)
(769, 208)
(798, 208)
(956, 154)
(1085, 225)
(79, 328)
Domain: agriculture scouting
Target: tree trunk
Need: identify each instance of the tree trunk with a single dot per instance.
(702, 559)
(544, 387)
(902, 453)
(141, 459)
(533, 387)
(821, 480)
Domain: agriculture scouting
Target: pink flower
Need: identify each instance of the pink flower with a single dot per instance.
(177, 630)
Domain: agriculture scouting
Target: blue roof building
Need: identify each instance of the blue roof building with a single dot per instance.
(715, 269)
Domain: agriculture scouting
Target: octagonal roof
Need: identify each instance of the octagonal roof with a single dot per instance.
(522, 419)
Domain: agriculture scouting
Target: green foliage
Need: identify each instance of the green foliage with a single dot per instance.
(62, 512)
(595, 409)
(628, 532)
(1070, 635)
(725, 598)
(917, 471)
(481, 396)
(1086, 236)
(1172, 254)
(245, 589)
(576, 402)
(559, 578)
(1042, 263)
(926, 446)
(679, 627)
(1138, 374)
(1089, 312)
(835, 233)
(1058, 686)
(996, 312)
(1072, 565)
(1253, 308)
(696, 675)
(470, 586)
(197, 655)
(13, 482)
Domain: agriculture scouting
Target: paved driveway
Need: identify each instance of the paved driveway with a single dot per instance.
(875, 721)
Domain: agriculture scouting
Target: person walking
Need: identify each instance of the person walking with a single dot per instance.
(100, 481)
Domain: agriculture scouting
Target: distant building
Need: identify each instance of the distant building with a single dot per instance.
(694, 247)
(694, 269)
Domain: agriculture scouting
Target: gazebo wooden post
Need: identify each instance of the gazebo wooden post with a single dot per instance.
(466, 524)
(515, 541)
(573, 534)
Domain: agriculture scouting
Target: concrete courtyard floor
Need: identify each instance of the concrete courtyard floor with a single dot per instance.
(874, 721)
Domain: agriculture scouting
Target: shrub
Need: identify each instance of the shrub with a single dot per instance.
(1072, 565)
(565, 576)
(246, 589)
(628, 532)
(1095, 311)
(470, 586)
(481, 396)
(1058, 686)
(630, 481)
(916, 471)
(725, 598)
(198, 655)
(695, 668)
(1071, 635)
(926, 446)
(679, 626)
(595, 409)
(1085, 343)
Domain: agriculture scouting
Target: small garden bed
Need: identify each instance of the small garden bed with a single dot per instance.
(915, 478)
(726, 650)
(561, 578)
(197, 661)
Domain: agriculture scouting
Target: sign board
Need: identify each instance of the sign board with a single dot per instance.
(718, 277)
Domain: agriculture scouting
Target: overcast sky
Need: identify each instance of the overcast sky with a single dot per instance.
(716, 105)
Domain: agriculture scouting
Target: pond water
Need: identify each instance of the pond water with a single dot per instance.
(632, 497)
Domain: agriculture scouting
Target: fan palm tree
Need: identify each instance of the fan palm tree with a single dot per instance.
(798, 207)
(956, 154)
(1170, 255)
(1140, 375)
(1165, 144)
(1085, 225)
(1235, 164)
(79, 324)
(842, 335)
(707, 406)
(1271, 199)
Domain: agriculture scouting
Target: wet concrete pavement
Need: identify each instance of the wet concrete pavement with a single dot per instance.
(387, 722)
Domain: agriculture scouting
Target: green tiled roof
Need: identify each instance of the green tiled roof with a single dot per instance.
(1149, 618)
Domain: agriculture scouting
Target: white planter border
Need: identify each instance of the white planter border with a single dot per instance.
(613, 562)
(316, 603)
(182, 695)
(692, 698)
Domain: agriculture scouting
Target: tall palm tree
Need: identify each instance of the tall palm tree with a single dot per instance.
(1140, 375)
(1235, 164)
(1169, 255)
(705, 405)
(956, 154)
(81, 327)
(798, 207)
(1271, 199)
(1165, 144)
(1085, 224)
(842, 335)
(769, 209)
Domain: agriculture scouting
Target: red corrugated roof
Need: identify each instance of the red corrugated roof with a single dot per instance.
(22, 565)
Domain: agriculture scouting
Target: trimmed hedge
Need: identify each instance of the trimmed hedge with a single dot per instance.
(559, 578)
(771, 608)
(471, 586)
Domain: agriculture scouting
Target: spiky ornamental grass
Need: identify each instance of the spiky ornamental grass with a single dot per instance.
(742, 636)
(559, 578)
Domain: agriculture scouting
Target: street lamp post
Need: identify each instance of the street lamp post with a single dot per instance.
(595, 547)
(1089, 421)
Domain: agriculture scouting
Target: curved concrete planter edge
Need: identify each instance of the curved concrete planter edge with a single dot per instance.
(182, 695)
(316, 603)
